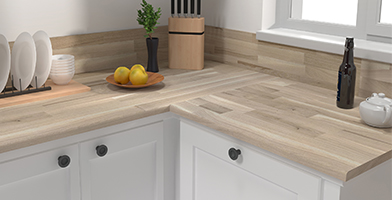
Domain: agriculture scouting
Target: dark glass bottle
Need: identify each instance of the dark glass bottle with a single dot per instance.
(346, 78)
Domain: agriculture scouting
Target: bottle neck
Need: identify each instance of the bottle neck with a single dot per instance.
(348, 55)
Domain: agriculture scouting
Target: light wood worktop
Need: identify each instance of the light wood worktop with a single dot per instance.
(291, 119)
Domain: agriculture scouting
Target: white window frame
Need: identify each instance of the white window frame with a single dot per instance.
(373, 27)
(372, 40)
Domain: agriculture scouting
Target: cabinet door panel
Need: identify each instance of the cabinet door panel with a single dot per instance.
(134, 178)
(39, 176)
(218, 179)
(132, 168)
(204, 156)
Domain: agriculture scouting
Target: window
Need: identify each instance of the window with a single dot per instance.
(386, 17)
(379, 19)
(359, 18)
(323, 25)
(331, 11)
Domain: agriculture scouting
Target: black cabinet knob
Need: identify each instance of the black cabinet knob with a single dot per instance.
(64, 161)
(234, 153)
(102, 150)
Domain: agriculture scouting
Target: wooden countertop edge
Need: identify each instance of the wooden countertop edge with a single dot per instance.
(118, 117)
(341, 170)
(367, 166)
(341, 174)
(52, 132)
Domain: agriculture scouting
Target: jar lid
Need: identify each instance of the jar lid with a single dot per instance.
(379, 99)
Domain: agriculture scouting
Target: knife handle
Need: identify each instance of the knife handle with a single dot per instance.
(172, 7)
(185, 6)
(198, 7)
(179, 7)
(192, 6)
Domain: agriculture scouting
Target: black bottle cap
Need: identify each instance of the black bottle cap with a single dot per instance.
(349, 42)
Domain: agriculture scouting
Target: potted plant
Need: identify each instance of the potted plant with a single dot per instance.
(148, 18)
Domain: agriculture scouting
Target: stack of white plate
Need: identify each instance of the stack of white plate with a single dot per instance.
(63, 69)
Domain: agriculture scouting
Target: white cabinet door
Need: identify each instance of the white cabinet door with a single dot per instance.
(208, 173)
(132, 168)
(39, 176)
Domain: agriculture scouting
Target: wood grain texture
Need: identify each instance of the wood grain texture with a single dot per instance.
(186, 51)
(292, 119)
(107, 50)
(288, 109)
(187, 25)
(72, 87)
(307, 66)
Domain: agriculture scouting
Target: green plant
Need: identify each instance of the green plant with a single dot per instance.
(148, 18)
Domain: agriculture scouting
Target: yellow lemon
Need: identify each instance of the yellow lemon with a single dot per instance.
(138, 77)
(137, 66)
(121, 75)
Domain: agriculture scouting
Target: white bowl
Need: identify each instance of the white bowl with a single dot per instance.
(62, 68)
(72, 62)
(62, 72)
(63, 61)
(61, 78)
(63, 64)
(62, 58)
(56, 73)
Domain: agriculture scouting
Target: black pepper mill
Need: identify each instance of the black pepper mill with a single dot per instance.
(346, 78)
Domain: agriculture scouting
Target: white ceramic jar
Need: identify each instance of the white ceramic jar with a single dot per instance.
(376, 110)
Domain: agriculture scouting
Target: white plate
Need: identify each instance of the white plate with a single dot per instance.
(5, 61)
(44, 58)
(23, 59)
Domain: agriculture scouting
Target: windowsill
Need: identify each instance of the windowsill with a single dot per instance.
(332, 44)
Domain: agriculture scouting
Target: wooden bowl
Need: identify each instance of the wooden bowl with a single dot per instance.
(153, 78)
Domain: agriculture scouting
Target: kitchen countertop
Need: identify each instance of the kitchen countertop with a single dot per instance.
(291, 119)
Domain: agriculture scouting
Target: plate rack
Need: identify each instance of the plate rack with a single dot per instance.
(12, 91)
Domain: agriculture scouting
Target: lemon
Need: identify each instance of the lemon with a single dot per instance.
(121, 75)
(138, 76)
(137, 66)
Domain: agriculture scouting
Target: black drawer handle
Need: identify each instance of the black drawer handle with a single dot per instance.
(102, 150)
(234, 153)
(64, 161)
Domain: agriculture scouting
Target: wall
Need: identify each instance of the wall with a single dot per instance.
(71, 17)
(107, 50)
(243, 15)
(230, 38)
(312, 67)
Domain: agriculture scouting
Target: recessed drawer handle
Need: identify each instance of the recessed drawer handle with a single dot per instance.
(102, 150)
(234, 153)
(64, 161)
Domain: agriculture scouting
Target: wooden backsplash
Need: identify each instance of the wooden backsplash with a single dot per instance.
(309, 66)
(107, 50)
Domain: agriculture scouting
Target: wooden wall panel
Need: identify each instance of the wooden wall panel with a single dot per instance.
(312, 67)
(107, 50)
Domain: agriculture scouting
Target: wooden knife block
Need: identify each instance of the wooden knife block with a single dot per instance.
(186, 43)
